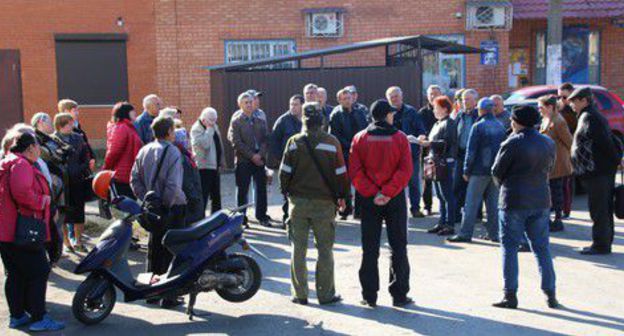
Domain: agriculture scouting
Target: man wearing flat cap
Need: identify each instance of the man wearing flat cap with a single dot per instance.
(595, 158)
(521, 168)
(313, 176)
(380, 167)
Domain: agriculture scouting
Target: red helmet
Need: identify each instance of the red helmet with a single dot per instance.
(102, 183)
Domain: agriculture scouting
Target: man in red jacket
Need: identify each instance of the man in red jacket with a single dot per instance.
(380, 166)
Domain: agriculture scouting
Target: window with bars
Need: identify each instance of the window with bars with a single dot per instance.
(241, 51)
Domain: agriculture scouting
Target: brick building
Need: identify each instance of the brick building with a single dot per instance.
(76, 48)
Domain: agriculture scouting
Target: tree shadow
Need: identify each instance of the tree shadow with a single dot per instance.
(430, 321)
(248, 324)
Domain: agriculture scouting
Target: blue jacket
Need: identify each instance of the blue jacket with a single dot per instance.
(342, 127)
(143, 125)
(411, 123)
(521, 168)
(464, 124)
(285, 127)
(484, 141)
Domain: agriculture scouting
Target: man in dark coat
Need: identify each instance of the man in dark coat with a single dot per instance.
(595, 158)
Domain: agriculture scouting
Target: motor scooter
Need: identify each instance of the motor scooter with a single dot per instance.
(201, 263)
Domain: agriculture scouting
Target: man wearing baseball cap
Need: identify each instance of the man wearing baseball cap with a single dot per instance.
(313, 176)
(521, 168)
(484, 141)
(380, 167)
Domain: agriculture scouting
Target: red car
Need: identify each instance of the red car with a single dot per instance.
(608, 103)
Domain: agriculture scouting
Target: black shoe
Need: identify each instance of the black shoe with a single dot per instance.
(371, 304)
(458, 239)
(524, 248)
(429, 212)
(595, 251)
(171, 303)
(552, 299)
(245, 222)
(487, 237)
(335, 299)
(417, 214)
(402, 302)
(447, 231)
(302, 302)
(357, 216)
(556, 225)
(565, 216)
(265, 222)
(153, 301)
(435, 229)
(510, 301)
(343, 217)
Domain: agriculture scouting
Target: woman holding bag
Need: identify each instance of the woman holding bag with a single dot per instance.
(443, 143)
(25, 197)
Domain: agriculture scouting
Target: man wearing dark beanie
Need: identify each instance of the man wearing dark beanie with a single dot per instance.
(380, 166)
(521, 168)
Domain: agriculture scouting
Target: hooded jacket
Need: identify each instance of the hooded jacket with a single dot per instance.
(380, 161)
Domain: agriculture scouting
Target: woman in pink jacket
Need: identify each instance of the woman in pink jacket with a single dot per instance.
(24, 190)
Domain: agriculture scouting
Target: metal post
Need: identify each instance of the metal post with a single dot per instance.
(554, 50)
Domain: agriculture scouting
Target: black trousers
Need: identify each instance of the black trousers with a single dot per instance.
(285, 208)
(245, 172)
(600, 200)
(556, 196)
(427, 194)
(158, 257)
(27, 280)
(395, 216)
(459, 186)
(211, 188)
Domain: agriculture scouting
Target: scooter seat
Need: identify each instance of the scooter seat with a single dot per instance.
(198, 230)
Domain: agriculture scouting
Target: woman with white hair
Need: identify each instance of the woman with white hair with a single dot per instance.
(207, 146)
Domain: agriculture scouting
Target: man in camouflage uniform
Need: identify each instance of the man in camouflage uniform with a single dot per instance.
(313, 196)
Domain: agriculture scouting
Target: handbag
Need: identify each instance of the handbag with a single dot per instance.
(435, 169)
(30, 232)
(152, 202)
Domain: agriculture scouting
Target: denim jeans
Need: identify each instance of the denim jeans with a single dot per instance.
(414, 187)
(513, 225)
(480, 188)
(444, 191)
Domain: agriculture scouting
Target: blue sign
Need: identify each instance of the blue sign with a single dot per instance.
(490, 56)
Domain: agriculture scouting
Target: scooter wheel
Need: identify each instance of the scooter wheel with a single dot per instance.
(92, 311)
(252, 278)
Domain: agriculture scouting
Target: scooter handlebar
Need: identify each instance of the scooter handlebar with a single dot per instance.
(242, 207)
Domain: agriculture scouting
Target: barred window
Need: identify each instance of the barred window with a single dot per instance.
(241, 51)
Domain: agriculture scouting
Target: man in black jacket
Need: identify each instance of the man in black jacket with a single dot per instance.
(595, 158)
(521, 168)
(344, 123)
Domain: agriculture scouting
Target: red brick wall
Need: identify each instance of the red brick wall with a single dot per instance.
(611, 48)
(30, 27)
(191, 34)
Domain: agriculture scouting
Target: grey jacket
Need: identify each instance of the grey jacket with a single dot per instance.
(168, 184)
(248, 136)
(203, 144)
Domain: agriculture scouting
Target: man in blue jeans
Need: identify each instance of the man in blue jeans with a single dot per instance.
(484, 141)
(521, 168)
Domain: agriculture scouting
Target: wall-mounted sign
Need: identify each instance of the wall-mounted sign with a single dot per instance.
(490, 56)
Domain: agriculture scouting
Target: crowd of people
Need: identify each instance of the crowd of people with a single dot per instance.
(375, 164)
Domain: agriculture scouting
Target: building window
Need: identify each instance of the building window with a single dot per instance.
(92, 68)
(580, 51)
(324, 22)
(445, 70)
(241, 51)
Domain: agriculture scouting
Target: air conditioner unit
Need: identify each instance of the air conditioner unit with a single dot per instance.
(324, 24)
(486, 17)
